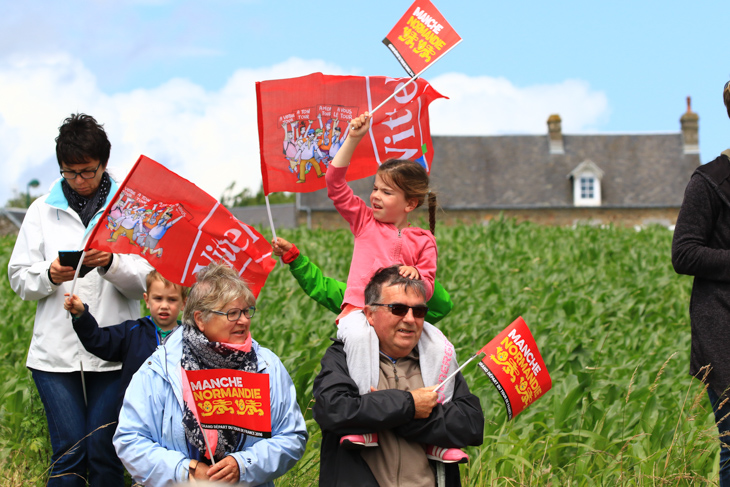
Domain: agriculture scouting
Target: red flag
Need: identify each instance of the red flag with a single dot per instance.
(515, 367)
(178, 228)
(303, 122)
(232, 399)
(420, 37)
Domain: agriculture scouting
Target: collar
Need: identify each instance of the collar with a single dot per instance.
(413, 355)
(56, 199)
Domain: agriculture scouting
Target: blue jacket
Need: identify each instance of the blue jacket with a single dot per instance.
(150, 439)
(131, 343)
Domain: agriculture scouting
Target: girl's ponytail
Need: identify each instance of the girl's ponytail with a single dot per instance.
(432, 212)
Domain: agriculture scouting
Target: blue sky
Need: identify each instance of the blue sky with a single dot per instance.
(174, 80)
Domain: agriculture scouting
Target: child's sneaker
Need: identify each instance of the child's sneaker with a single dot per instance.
(446, 455)
(355, 442)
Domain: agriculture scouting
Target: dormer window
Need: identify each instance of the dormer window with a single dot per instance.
(586, 184)
(587, 187)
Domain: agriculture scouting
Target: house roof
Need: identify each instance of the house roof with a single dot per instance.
(518, 171)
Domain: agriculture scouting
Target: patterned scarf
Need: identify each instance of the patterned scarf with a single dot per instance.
(87, 207)
(201, 354)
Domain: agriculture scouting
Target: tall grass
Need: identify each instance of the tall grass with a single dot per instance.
(608, 313)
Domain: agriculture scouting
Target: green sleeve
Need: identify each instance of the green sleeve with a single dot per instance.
(439, 305)
(326, 291)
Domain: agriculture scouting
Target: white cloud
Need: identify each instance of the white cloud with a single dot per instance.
(208, 137)
(483, 105)
(211, 137)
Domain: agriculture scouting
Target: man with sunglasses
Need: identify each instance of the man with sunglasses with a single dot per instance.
(405, 414)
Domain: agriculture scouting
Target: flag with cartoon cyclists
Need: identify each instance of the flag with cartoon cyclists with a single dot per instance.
(178, 228)
(304, 121)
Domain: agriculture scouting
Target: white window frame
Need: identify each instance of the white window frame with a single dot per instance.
(586, 172)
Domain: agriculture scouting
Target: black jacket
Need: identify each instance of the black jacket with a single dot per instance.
(340, 410)
(130, 343)
(701, 248)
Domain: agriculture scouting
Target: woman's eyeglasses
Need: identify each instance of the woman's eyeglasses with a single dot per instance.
(234, 314)
(402, 309)
(83, 174)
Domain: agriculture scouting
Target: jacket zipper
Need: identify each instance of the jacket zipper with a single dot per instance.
(395, 374)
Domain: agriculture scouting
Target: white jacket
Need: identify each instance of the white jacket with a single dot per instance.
(113, 296)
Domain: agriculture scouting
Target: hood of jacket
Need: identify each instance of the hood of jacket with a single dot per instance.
(717, 173)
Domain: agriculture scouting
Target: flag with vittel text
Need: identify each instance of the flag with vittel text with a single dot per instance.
(515, 367)
(178, 228)
(420, 37)
(304, 121)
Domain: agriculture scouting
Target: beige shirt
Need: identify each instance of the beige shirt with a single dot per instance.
(397, 461)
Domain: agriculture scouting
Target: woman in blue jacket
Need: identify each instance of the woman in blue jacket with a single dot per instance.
(159, 439)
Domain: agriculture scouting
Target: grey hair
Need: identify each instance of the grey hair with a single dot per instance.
(217, 284)
(387, 277)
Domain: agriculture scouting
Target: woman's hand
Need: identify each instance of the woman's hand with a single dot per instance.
(225, 471)
(97, 258)
(61, 273)
(73, 304)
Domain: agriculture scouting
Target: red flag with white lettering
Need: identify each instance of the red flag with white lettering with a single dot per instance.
(231, 399)
(420, 37)
(303, 122)
(178, 228)
(515, 367)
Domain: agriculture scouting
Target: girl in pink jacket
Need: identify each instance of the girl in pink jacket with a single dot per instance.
(384, 237)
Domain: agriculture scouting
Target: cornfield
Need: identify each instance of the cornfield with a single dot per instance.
(609, 315)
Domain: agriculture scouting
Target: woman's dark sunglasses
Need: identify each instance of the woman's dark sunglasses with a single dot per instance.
(402, 309)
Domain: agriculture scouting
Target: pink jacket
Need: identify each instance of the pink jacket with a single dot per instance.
(378, 244)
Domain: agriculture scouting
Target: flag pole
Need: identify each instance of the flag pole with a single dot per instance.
(73, 283)
(413, 79)
(457, 371)
(207, 444)
(83, 382)
(271, 222)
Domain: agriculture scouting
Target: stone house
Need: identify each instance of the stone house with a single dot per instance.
(556, 178)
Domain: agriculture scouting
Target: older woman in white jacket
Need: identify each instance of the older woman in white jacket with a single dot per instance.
(55, 222)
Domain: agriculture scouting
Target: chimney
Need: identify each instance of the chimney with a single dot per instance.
(555, 134)
(690, 130)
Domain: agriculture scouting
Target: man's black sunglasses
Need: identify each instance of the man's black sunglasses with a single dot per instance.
(402, 309)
